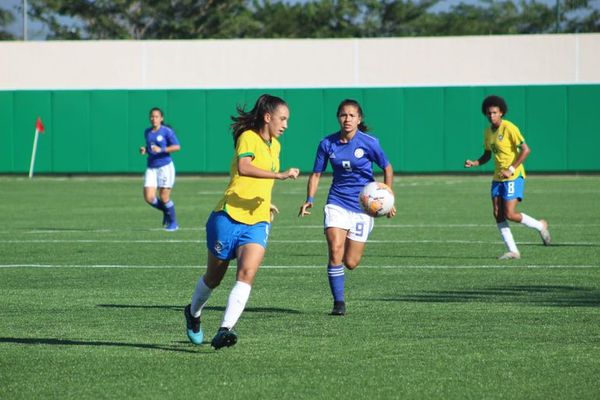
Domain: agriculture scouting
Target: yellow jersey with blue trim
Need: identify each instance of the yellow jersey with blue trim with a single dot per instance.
(505, 145)
(247, 199)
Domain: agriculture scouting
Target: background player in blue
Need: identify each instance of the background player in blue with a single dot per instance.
(161, 141)
(503, 140)
(351, 153)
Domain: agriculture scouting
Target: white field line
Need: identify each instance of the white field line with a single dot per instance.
(296, 227)
(291, 241)
(304, 266)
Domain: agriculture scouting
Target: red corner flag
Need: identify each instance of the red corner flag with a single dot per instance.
(39, 126)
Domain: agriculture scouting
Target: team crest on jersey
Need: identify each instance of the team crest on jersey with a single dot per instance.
(358, 153)
(500, 137)
(159, 138)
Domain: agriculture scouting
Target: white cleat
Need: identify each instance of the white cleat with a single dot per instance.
(511, 255)
(545, 233)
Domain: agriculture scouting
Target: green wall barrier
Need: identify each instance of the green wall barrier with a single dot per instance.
(423, 130)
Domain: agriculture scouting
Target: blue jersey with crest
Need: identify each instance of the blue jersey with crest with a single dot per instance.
(352, 165)
(162, 137)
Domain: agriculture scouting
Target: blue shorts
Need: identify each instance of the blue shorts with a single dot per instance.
(509, 190)
(224, 235)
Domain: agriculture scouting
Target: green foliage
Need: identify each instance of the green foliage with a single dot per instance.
(6, 18)
(92, 292)
(201, 19)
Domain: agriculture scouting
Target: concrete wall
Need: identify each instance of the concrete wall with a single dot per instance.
(210, 64)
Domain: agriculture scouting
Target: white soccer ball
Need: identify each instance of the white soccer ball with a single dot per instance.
(376, 199)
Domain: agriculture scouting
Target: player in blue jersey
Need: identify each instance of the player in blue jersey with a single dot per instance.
(161, 141)
(504, 141)
(351, 153)
(238, 228)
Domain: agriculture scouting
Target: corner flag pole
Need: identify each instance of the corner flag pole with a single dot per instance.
(39, 128)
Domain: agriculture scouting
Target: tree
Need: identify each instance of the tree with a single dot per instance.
(139, 19)
(6, 18)
(199, 19)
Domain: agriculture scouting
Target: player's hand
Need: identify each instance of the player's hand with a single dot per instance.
(392, 212)
(304, 209)
(470, 163)
(274, 211)
(291, 173)
(143, 150)
(155, 149)
(504, 173)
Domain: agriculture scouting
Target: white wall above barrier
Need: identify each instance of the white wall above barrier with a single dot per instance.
(301, 63)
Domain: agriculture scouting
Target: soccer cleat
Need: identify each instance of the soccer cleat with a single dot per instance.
(173, 226)
(339, 308)
(224, 338)
(545, 233)
(511, 255)
(194, 331)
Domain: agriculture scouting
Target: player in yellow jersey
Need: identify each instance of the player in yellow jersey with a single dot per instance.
(239, 225)
(504, 141)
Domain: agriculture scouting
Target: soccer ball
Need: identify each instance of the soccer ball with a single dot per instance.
(376, 199)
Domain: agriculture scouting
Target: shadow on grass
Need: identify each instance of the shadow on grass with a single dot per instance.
(564, 245)
(69, 342)
(180, 308)
(557, 296)
(426, 257)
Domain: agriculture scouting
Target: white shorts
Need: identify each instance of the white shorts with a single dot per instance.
(358, 225)
(163, 177)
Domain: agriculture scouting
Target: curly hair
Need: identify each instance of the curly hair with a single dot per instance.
(255, 118)
(494, 101)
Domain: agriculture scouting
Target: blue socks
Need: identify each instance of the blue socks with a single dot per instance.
(156, 203)
(335, 273)
(170, 212)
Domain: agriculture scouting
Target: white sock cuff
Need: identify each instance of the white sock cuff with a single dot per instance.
(531, 222)
(242, 288)
(200, 297)
(235, 304)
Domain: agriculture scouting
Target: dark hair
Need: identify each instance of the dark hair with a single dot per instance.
(349, 102)
(163, 123)
(156, 109)
(494, 101)
(255, 118)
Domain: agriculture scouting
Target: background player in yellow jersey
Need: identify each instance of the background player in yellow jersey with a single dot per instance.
(504, 140)
(239, 225)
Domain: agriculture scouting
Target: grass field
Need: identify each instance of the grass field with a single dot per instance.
(92, 290)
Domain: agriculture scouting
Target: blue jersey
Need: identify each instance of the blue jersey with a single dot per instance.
(163, 137)
(352, 165)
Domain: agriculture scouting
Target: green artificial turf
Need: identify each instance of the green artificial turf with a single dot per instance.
(92, 293)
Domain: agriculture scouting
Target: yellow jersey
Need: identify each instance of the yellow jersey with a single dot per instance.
(505, 144)
(248, 200)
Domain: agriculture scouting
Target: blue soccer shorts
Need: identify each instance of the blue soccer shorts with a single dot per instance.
(224, 235)
(509, 190)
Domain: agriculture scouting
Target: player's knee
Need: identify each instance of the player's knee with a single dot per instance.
(513, 216)
(498, 216)
(351, 263)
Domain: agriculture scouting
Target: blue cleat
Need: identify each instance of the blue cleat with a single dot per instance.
(172, 226)
(194, 331)
(224, 338)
